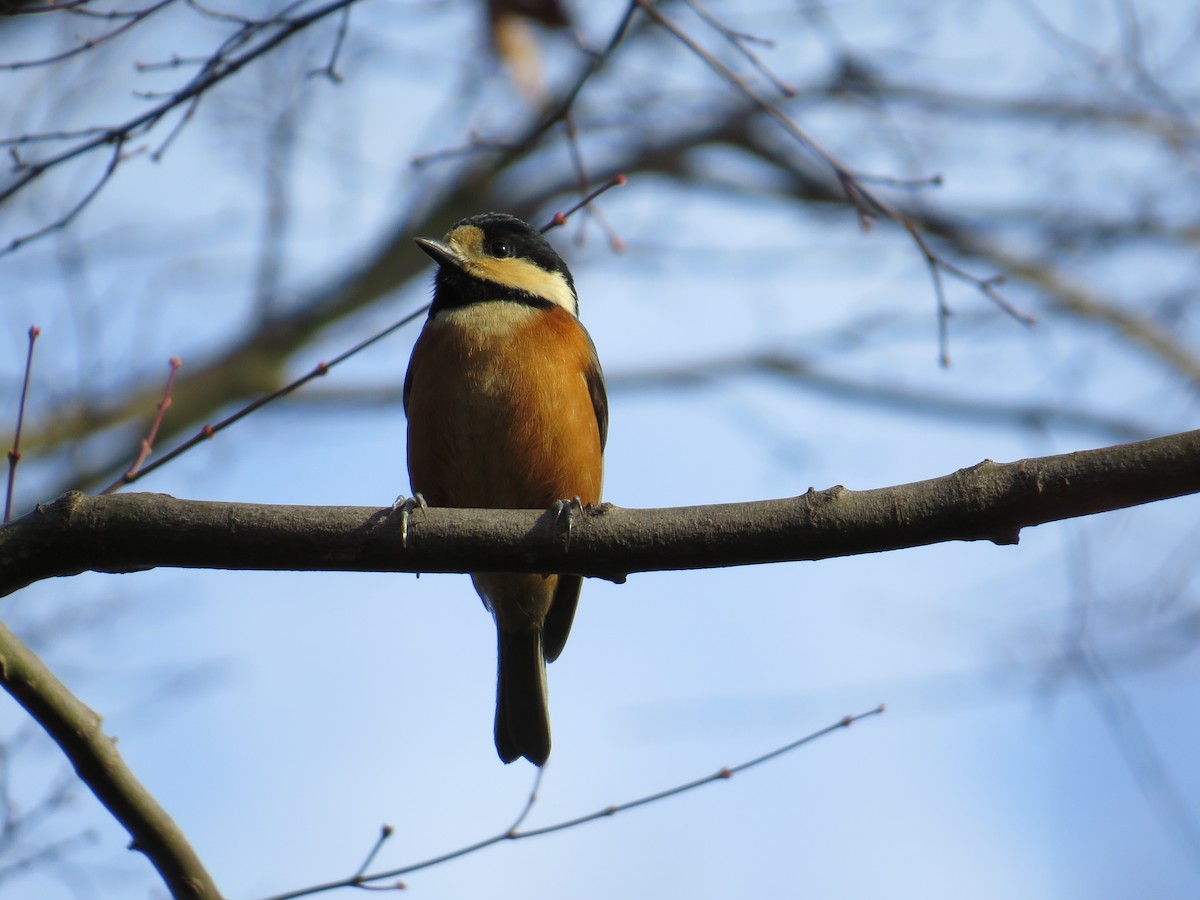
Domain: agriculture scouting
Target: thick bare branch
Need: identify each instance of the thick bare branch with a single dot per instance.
(989, 501)
(77, 730)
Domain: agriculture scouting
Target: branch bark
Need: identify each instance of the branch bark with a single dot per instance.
(988, 501)
(77, 730)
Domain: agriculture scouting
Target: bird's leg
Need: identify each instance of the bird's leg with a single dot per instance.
(406, 506)
(569, 509)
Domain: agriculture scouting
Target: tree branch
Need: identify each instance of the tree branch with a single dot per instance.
(76, 729)
(988, 501)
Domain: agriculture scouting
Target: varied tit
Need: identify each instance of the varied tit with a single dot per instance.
(507, 410)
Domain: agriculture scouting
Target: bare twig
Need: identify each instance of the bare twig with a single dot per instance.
(474, 144)
(75, 8)
(131, 19)
(740, 39)
(329, 70)
(510, 151)
(529, 801)
(514, 834)
(560, 218)
(19, 821)
(614, 240)
(55, 852)
(867, 204)
(385, 832)
(147, 445)
(175, 61)
(210, 431)
(14, 455)
(720, 775)
(63, 221)
(221, 65)
(908, 183)
(1134, 743)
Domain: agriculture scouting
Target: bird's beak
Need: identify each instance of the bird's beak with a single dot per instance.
(443, 254)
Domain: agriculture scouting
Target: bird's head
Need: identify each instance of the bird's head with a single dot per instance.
(496, 257)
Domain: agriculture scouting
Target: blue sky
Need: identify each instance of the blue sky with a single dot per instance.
(315, 707)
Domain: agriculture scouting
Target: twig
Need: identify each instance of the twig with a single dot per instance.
(45, 857)
(209, 431)
(614, 240)
(133, 18)
(529, 801)
(513, 834)
(596, 63)
(220, 67)
(14, 455)
(329, 70)
(63, 221)
(868, 205)
(45, 136)
(892, 181)
(189, 113)
(581, 175)
(1133, 742)
(75, 6)
(245, 21)
(475, 144)
(147, 445)
(385, 832)
(740, 39)
(943, 317)
(176, 61)
(513, 150)
(719, 775)
(560, 218)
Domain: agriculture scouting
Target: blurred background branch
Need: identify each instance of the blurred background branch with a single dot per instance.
(238, 185)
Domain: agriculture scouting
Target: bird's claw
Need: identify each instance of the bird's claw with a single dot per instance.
(406, 506)
(569, 508)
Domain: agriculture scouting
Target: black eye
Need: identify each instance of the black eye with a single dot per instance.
(500, 249)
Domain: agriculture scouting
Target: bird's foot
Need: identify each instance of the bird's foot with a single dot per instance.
(406, 506)
(568, 510)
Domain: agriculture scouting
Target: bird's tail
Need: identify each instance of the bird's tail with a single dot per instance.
(522, 715)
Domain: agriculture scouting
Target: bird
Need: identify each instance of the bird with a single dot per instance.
(507, 409)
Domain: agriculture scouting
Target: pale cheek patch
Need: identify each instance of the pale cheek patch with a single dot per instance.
(467, 240)
(525, 276)
(519, 273)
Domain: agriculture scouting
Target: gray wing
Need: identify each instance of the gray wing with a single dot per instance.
(595, 383)
(566, 595)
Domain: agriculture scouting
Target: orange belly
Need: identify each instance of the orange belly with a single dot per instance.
(499, 411)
